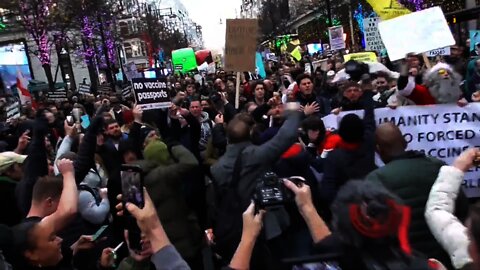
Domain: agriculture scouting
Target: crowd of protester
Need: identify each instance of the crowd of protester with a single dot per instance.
(208, 167)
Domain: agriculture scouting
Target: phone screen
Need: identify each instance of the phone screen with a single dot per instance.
(99, 233)
(132, 185)
(70, 120)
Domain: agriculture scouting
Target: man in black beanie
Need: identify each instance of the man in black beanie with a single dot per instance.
(354, 157)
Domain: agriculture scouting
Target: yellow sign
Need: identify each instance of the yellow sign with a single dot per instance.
(388, 9)
(361, 57)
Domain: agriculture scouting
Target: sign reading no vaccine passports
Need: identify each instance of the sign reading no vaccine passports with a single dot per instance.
(151, 94)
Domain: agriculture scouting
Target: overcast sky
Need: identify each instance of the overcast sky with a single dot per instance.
(208, 13)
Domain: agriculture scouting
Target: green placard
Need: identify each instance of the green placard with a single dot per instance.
(184, 58)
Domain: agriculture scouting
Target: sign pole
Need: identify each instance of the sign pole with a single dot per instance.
(237, 92)
(426, 61)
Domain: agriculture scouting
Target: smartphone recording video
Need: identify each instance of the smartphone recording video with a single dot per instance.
(132, 185)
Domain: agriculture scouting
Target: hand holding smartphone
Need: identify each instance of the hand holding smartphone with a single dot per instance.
(132, 192)
(132, 185)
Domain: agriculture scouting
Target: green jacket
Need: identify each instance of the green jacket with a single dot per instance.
(164, 184)
(411, 177)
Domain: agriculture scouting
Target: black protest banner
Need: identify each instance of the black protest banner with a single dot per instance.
(84, 89)
(105, 90)
(151, 93)
(57, 95)
(127, 92)
(13, 111)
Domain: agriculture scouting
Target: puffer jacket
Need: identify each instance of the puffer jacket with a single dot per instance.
(164, 184)
(443, 224)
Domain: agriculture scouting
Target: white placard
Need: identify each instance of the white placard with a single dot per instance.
(437, 52)
(337, 42)
(418, 32)
(373, 40)
(442, 131)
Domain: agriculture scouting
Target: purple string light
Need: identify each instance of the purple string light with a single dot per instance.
(87, 31)
(418, 4)
(36, 24)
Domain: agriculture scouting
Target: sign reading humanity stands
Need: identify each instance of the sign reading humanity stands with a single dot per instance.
(241, 45)
(441, 131)
(373, 40)
(151, 94)
(417, 32)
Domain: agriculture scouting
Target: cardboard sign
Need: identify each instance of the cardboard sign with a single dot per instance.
(151, 94)
(13, 111)
(437, 52)
(373, 40)
(84, 88)
(417, 32)
(127, 92)
(336, 37)
(442, 131)
(58, 95)
(241, 44)
(361, 57)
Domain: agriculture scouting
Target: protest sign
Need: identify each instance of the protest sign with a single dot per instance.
(336, 37)
(417, 32)
(151, 94)
(437, 52)
(373, 40)
(84, 89)
(13, 111)
(57, 95)
(441, 131)
(361, 57)
(127, 92)
(474, 39)
(184, 60)
(388, 9)
(104, 89)
(241, 44)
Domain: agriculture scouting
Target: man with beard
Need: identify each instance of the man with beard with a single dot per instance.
(114, 133)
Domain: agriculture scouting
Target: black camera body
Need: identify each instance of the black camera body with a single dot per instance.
(356, 69)
(271, 192)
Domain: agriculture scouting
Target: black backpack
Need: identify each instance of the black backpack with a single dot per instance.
(228, 221)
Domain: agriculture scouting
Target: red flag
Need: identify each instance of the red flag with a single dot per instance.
(22, 87)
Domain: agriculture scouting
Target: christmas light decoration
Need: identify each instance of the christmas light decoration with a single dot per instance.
(35, 19)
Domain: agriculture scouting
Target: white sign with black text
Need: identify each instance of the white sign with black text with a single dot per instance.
(373, 40)
(437, 52)
(13, 111)
(441, 131)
